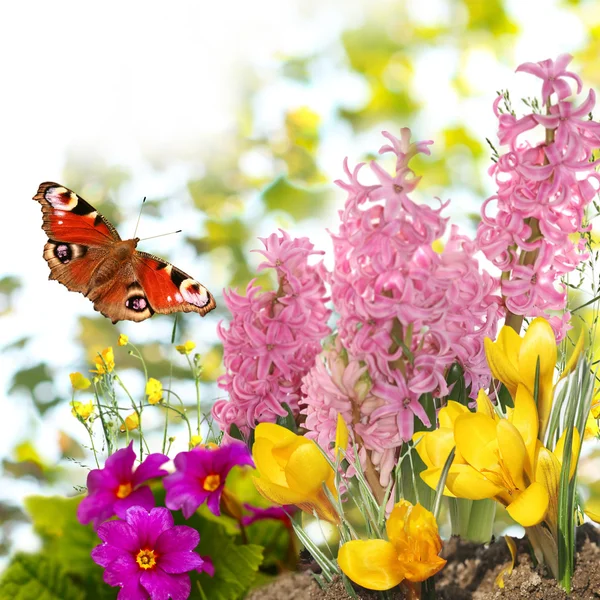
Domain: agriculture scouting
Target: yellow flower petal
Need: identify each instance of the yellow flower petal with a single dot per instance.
(530, 506)
(512, 547)
(450, 412)
(185, 348)
(105, 363)
(513, 452)
(502, 358)
(195, 440)
(307, 468)
(341, 437)
(547, 473)
(539, 343)
(591, 427)
(131, 422)
(154, 390)
(473, 433)
(592, 509)
(466, 482)
(525, 418)
(485, 406)
(79, 382)
(373, 564)
(123, 340)
(82, 411)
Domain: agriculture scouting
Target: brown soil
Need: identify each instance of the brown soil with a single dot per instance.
(469, 575)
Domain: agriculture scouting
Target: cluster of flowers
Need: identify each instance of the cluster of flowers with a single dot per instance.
(544, 187)
(144, 552)
(274, 336)
(407, 312)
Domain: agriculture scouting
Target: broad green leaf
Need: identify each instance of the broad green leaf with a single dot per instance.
(70, 543)
(37, 577)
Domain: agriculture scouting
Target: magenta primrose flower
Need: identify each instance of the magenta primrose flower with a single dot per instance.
(118, 486)
(200, 477)
(148, 556)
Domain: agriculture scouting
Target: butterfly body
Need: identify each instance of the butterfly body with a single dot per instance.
(86, 254)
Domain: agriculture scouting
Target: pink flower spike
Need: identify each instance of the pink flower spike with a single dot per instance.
(552, 73)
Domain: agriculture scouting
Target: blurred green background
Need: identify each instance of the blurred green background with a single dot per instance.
(233, 121)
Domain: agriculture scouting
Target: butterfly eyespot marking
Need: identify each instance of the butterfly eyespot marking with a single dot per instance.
(61, 198)
(194, 293)
(137, 303)
(63, 253)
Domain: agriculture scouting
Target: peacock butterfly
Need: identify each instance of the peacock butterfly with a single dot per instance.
(86, 254)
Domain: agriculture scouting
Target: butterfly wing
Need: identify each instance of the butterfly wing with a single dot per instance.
(79, 236)
(167, 289)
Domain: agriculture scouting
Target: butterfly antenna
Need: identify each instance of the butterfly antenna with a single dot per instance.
(161, 235)
(139, 216)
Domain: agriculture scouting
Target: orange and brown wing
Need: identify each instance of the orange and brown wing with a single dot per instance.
(168, 289)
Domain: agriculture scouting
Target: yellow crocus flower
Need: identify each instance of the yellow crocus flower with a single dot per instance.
(341, 437)
(105, 363)
(79, 382)
(411, 551)
(154, 391)
(292, 470)
(512, 360)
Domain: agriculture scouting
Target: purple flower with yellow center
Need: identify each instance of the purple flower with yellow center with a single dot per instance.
(200, 476)
(148, 556)
(119, 486)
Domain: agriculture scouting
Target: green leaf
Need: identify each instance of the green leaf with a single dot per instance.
(70, 543)
(37, 577)
(235, 565)
(288, 421)
(9, 284)
(299, 202)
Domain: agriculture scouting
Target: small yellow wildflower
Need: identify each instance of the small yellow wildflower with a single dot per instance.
(195, 440)
(79, 382)
(82, 411)
(131, 422)
(123, 340)
(104, 363)
(154, 391)
(186, 348)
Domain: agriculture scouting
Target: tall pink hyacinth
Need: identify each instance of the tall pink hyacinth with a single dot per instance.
(274, 336)
(407, 313)
(528, 226)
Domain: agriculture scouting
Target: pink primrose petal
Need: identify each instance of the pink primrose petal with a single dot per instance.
(162, 586)
(178, 538)
(149, 525)
(133, 590)
(179, 562)
(96, 508)
(120, 464)
(141, 497)
(121, 571)
(119, 534)
(150, 469)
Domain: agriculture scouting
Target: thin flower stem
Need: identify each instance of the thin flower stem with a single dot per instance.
(138, 412)
(197, 382)
(104, 428)
(168, 401)
(89, 430)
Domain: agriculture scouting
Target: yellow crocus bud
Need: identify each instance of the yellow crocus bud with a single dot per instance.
(292, 471)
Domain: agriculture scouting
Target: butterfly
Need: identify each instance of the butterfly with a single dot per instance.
(86, 254)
